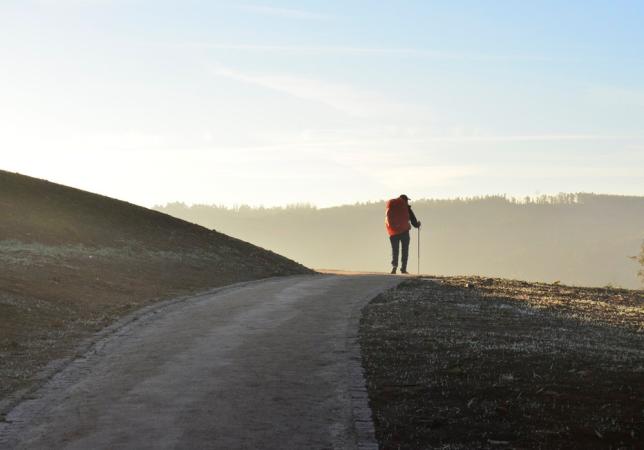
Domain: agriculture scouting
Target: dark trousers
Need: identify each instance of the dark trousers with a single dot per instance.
(396, 240)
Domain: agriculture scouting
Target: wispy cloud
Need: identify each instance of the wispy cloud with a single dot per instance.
(366, 51)
(73, 3)
(426, 176)
(553, 170)
(342, 97)
(529, 138)
(379, 140)
(289, 13)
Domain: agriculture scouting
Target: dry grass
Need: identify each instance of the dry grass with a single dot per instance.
(485, 363)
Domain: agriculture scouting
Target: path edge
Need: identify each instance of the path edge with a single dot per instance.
(361, 415)
(94, 342)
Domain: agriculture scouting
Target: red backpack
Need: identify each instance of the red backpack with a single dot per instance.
(397, 216)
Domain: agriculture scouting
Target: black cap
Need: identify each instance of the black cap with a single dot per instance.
(405, 197)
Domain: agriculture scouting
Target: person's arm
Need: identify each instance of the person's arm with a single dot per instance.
(412, 218)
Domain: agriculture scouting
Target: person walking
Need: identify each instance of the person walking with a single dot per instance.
(397, 221)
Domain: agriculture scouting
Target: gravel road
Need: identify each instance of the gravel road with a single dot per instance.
(268, 364)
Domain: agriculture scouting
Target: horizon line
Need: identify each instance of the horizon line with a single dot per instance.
(518, 199)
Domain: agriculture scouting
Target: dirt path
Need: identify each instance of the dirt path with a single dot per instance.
(269, 364)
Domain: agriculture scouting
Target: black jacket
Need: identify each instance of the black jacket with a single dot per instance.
(412, 218)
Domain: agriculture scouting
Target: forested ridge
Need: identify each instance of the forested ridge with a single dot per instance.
(583, 239)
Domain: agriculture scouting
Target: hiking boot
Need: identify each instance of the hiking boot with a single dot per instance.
(393, 271)
(404, 271)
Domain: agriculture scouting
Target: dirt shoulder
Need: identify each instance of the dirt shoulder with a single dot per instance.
(465, 362)
(54, 297)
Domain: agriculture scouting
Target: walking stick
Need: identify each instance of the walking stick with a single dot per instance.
(418, 263)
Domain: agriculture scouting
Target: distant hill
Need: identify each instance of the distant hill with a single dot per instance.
(71, 262)
(582, 239)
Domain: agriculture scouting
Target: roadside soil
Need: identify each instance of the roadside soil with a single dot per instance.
(467, 362)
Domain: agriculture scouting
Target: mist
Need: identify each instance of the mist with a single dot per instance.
(579, 239)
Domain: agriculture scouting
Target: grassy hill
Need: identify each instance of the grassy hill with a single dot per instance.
(73, 262)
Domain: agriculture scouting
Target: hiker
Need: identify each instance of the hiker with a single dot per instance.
(397, 219)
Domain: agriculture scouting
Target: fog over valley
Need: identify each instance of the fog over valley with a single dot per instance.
(579, 239)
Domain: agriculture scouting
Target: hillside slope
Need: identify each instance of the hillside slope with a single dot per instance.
(72, 262)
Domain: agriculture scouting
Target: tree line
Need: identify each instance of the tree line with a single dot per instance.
(574, 238)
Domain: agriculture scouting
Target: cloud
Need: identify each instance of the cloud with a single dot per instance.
(567, 171)
(527, 138)
(499, 139)
(366, 51)
(317, 49)
(425, 176)
(338, 96)
(73, 3)
(376, 138)
(288, 13)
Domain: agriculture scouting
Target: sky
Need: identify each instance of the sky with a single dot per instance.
(323, 102)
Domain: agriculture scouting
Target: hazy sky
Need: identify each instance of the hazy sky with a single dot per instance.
(327, 102)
